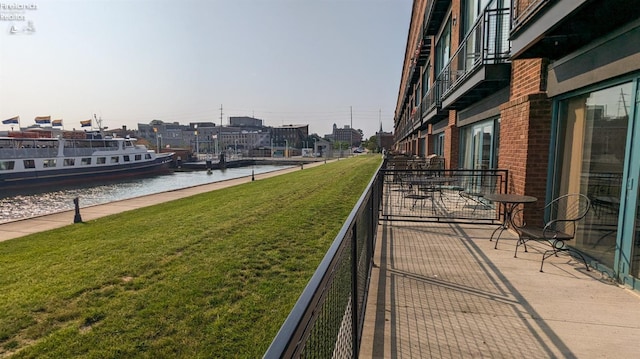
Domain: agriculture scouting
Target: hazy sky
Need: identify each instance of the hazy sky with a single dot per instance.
(133, 61)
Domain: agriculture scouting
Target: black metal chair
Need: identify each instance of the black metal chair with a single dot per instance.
(559, 226)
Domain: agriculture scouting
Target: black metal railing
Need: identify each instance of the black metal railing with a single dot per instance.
(415, 194)
(524, 9)
(327, 319)
(431, 99)
(486, 43)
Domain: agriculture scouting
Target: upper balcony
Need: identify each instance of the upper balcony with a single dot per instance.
(432, 104)
(434, 16)
(409, 124)
(481, 64)
(553, 29)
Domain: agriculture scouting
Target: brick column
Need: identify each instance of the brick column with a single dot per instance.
(451, 142)
(525, 131)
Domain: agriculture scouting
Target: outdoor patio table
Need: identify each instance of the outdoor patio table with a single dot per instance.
(432, 185)
(509, 202)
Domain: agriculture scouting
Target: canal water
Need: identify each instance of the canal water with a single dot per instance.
(15, 206)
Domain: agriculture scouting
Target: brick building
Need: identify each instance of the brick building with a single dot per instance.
(545, 89)
(346, 135)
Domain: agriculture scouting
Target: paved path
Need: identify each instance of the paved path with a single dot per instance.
(442, 291)
(24, 227)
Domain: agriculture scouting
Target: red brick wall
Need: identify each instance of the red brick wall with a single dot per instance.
(528, 77)
(525, 130)
(451, 142)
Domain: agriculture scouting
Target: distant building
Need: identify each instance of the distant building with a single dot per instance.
(292, 136)
(245, 121)
(384, 140)
(346, 134)
(162, 134)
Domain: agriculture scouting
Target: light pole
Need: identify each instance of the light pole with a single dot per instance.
(155, 131)
(197, 147)
(217, 142)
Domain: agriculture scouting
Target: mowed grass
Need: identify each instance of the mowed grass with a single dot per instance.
(210, 276)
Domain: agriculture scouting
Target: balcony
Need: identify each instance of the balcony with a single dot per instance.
(432, 104)
(553, 29)
(481, 65)
(434, 16)
(423, 50)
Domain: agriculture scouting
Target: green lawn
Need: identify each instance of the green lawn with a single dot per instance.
(211, 276)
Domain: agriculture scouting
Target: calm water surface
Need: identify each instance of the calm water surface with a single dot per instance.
(19, 206)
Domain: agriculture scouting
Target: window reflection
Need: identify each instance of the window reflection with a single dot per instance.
(592, 161)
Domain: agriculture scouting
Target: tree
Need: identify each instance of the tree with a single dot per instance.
(371, 144)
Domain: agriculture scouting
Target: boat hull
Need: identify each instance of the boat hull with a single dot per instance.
(70, 176)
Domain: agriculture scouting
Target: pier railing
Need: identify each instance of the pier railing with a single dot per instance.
(327, 320)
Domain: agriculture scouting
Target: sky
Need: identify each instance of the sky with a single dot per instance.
(315, 62)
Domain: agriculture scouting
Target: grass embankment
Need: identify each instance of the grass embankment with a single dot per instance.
(213, 275)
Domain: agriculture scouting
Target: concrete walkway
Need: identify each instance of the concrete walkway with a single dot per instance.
(443, 291)
(24, 227)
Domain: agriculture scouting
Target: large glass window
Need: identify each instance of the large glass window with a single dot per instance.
(425, 79)
(592, 132)
(443, 48)
(438, 144)
(479, 145)
(472, 10)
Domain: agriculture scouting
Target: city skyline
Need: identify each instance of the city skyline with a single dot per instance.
(286, 62)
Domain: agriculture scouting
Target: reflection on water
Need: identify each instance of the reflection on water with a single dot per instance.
(25, 205)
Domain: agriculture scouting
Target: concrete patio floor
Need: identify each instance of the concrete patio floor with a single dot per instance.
(443, 291)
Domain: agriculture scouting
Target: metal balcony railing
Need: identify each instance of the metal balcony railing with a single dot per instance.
(524, 9)
(486, 43)
(431, 99)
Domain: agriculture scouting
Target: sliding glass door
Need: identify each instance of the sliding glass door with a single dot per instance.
(593, 128)
(479, 145)
(629, 256)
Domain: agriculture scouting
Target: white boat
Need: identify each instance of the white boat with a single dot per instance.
(30, 162)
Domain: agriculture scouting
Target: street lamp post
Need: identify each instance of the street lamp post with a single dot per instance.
(197, 147)
(216, 143)
(155, 131)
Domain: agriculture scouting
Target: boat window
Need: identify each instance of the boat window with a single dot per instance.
(46, 144)
(147, 156)
(69, 161)
(101, 160)
(86, 161)
(29, 163)
(138, 157)
(6, 165)
(83, 144)
(6, 144)
(115, 159)
(50, 163)
(126, 158)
